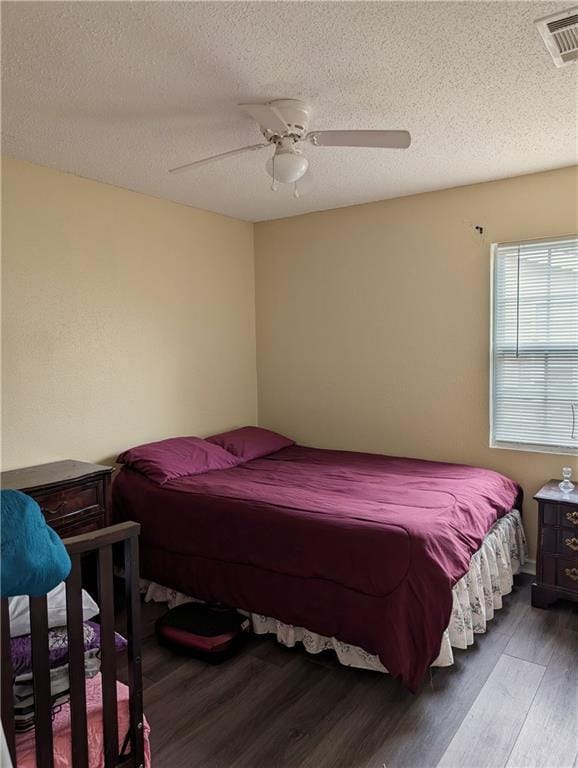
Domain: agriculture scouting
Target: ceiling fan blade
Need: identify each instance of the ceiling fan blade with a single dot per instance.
(268, 117)
(383, 139)
(222, 156)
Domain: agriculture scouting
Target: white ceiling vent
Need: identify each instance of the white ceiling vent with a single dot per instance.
(560, 33)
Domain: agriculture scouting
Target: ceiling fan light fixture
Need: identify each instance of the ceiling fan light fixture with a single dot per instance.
(287, 167)
(284, 123)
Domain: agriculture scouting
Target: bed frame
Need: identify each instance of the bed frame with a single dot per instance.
(101, 543)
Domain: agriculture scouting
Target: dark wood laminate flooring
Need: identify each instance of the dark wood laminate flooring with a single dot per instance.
(511, 700)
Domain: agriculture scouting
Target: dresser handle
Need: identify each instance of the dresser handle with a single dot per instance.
(572, 573)
(58, 509)
(572, 543)
(572, 516)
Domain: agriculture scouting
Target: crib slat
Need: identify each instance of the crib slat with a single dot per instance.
(41, 675)
(76, 664)
(132, 596)
(108, 656)
(7, 696)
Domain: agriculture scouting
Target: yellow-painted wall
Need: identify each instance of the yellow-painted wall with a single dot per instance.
(125, 318)
(373, 324)
(128, 319)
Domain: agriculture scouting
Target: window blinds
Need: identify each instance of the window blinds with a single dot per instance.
(535, 344)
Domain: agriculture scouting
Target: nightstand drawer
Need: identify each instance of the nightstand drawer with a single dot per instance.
(560, 572)
(560, 514)
(560, 541)
(567, 574)
(63, 506)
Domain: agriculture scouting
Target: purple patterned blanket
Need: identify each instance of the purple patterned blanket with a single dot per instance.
(21, 647)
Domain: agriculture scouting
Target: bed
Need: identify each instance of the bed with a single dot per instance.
(61, 702)
(365, 550)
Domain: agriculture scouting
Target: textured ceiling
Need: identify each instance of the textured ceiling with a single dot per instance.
(122, 91)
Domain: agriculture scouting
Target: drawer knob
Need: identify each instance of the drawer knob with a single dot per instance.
(55, 511)
(572, 573)
(572, 516)
(572, 543)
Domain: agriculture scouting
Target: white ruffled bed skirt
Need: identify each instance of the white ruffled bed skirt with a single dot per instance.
(476, 597)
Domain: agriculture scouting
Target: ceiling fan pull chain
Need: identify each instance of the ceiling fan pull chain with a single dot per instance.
(274, 185)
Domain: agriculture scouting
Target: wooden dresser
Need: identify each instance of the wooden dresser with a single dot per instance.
(74, 496)
(557, 556)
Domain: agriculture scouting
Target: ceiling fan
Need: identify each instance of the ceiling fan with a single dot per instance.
(284, 124)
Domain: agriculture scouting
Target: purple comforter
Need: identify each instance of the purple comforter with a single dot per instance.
(362, 547)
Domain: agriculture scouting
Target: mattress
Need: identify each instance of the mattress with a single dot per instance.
(361, 547)
(475, 599)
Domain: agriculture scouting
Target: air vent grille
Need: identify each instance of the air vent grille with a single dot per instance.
(568, 21)
(560, 33)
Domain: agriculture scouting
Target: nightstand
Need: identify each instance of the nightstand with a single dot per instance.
(74, 496)
(557, 556)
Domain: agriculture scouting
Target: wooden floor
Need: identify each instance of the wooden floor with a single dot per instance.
(510, 701)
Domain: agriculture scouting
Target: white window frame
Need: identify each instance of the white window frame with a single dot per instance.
(503, 444)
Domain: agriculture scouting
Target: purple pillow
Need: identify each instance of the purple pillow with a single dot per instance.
(176, 457)
(250, 442)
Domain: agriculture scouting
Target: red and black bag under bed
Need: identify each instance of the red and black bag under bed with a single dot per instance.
(208, 632)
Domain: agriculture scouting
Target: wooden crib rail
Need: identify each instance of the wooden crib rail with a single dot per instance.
(7, 699)
(101, 542)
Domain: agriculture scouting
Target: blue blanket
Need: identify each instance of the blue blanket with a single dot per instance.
(34, 559)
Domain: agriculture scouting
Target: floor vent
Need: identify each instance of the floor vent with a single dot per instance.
(560, 33)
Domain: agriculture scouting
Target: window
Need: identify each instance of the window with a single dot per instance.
(534, 377)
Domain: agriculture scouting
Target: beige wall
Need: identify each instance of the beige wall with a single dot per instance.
(125, 318)
(373, 321)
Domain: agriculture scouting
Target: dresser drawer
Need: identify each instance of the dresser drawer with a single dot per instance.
(560, 514)
(560, 572)
(567, 574)
(82, 525)
(67, 505)
(560, 541)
